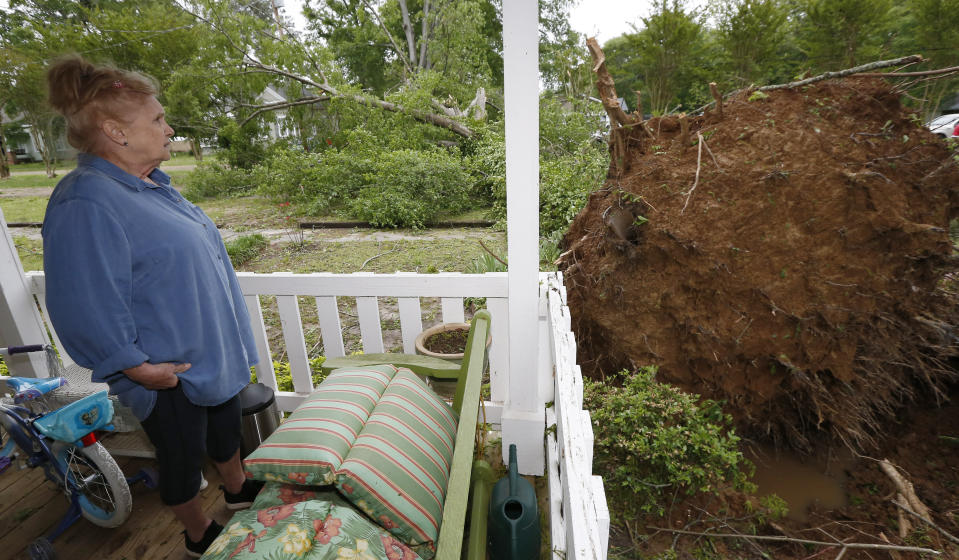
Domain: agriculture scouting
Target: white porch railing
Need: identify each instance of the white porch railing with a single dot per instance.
(578, 514)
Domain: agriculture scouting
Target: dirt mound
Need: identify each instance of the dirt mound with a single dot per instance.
(792, 264)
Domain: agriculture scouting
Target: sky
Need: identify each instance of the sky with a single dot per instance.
(603, 19)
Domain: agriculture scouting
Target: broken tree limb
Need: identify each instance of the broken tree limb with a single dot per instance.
(848, 72)
(323, 86)
(911, 74)
(282, 105)
(717, 97)
(861, 69)
(684, 131)
(773, 538)
(606, 87)
(429, 118)
(903, 507)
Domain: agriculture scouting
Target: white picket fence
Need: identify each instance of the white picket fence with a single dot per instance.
(578, 513)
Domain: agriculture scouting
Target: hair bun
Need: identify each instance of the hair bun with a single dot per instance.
(68, 80)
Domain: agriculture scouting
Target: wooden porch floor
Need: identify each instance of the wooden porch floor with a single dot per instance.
(31, 507)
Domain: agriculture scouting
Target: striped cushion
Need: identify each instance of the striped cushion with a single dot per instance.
(398, 468)
(310, 445)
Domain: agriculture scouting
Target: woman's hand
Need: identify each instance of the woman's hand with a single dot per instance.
(157, 376)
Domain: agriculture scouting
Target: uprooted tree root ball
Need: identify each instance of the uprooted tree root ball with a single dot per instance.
(786, 255)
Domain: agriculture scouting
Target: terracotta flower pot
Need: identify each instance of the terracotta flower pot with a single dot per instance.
(440, 330)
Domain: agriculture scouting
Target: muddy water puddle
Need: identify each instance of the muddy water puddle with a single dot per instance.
(800, 481)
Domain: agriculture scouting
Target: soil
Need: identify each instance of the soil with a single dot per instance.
(801, 280)
(447, 342)
(796, 264)
(923, 442)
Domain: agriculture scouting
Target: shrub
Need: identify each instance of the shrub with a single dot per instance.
(244, 249)
(655, 443)
(315, 182)
(284, 378)
(212, 179)
(410, 188)
(564, 185)
(572, 165)
(242, 148)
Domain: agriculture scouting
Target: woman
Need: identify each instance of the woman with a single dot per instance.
(141, 291)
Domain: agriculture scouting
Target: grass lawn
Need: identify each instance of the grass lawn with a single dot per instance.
(21, 181)
(62, 167)
(428, 255)
(243, 213)
(30, 251)
(23, 208)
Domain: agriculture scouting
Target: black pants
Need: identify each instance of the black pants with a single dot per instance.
(184, 434)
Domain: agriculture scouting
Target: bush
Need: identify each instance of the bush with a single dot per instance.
(410, 188)
(655, 443)
(565, 184)
(314, 182)
(572, 165)
(242, 148)
(212, 179)
(244, 249)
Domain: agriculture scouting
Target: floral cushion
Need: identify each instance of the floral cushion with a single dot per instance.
(398, 468)
(382, 436)
(311, 444)
(294, 522)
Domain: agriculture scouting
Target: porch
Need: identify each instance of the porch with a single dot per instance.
(535, 383)
(579, 520)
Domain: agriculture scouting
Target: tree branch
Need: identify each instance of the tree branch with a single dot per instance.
(847, 72)
(280, 105)
(429, 118)
(399, 52)
(606, 87)
(773, 538)
(906, 74)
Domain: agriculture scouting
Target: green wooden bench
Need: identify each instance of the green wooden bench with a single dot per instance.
(420, 365)
(466, 402)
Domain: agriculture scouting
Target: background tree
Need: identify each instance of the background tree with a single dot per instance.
(836, 34)
(931, 28)
(750, 34)
(665, 55)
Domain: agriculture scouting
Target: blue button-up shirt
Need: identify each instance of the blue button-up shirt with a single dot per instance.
(136, 273)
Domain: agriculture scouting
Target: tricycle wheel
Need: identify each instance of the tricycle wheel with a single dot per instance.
(41, 549)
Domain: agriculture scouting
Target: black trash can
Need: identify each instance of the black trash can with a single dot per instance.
(260, 416)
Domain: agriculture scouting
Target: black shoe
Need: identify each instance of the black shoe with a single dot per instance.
(196, 549)
(244, 498)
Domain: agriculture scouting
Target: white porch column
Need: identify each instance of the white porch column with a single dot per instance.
(523, 419)
(20, 321)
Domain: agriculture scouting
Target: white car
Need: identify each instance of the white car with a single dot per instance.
(944, 125)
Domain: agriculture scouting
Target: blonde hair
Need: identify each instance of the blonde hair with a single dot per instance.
(86, 94)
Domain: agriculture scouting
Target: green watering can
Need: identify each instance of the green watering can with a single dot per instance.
(513, 517)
